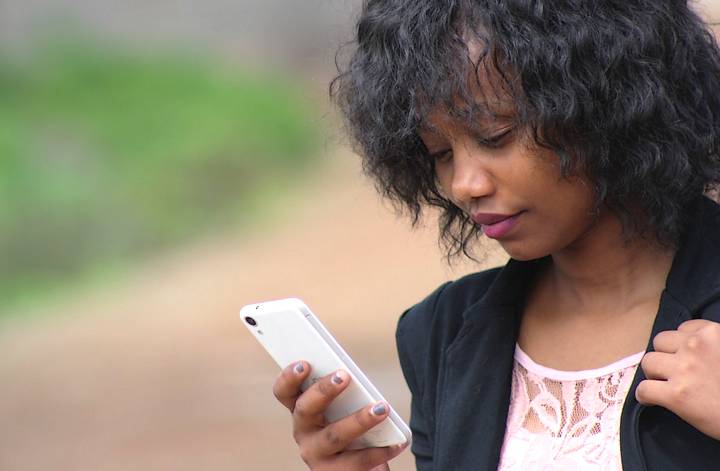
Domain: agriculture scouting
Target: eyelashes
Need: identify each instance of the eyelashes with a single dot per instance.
(496, 141)
(441, 156)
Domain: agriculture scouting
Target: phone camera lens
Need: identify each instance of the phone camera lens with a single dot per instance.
(250, 321)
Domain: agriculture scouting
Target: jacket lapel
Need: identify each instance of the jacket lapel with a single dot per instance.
(692, 284)
(670, 315)
(476, 373)
(694, 278)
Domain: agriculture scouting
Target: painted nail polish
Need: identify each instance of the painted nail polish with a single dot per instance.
(299, 368)
(379, 409)
(337, 379)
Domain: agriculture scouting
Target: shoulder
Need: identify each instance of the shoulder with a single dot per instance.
(430, 325)
(447, 303)
(694, 278)
(703, 225)
(425, 330)
(706, 215)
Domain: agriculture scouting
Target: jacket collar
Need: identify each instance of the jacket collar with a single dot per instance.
(508, 290)
(694, 278)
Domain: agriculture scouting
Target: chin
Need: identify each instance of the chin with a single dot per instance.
(523, 252)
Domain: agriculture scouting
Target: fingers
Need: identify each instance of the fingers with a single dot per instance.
(692, 325)
(287, 386)
(693, 334)
(370, 458)
(309, 407)
(653, 393)
(668, 341)
(338, 435)
(668, 394)
(322, 443)
(657, 365)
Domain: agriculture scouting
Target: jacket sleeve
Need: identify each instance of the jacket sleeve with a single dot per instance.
(422, 439)
(413, 338)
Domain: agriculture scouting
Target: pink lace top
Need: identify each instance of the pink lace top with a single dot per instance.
(565, 420)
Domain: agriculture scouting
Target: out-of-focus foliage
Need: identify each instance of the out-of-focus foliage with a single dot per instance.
(108, 154)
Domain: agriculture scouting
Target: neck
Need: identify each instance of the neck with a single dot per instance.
(604, 270)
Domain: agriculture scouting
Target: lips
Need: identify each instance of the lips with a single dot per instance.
(486, 219)
(495, 226)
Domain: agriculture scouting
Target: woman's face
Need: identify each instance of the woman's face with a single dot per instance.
(510, 187)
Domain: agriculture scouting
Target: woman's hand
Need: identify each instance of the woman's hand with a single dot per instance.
(684, 374)
(322, 445)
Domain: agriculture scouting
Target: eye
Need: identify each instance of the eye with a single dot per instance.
(442, 156)
(496, 141)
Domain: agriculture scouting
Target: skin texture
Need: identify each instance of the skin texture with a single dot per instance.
(321, 444)
(684, 374)
(508, 177)
(593, 270)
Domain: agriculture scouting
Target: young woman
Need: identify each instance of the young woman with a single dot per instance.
(582, 135)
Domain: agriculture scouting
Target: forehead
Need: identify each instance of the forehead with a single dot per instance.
(486, 96)
(478, 117)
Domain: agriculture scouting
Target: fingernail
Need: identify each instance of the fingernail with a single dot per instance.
(338, 377)
(299, 368)
(379, 409)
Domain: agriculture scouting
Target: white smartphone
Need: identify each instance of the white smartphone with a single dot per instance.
(289, 331)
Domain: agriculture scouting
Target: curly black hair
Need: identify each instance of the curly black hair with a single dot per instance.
(628, 91)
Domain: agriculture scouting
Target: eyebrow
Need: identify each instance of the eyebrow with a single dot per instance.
(477, 127)
(479, 116)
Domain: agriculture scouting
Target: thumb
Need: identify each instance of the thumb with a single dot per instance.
(382, 467)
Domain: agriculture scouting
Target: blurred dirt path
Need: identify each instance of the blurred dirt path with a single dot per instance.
(159, 374)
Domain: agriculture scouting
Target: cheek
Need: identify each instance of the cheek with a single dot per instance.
(569, 215)
(543, 235)
(570, 203)
(560, 215)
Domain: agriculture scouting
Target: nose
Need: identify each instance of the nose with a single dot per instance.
(471, 176)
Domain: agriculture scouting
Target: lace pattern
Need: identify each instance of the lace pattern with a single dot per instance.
(565, 420)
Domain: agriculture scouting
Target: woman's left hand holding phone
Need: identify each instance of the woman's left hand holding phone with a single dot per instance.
(323, 445)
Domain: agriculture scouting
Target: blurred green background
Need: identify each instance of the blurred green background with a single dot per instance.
(110, 154)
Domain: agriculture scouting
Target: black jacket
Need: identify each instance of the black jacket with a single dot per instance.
(456, 351)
